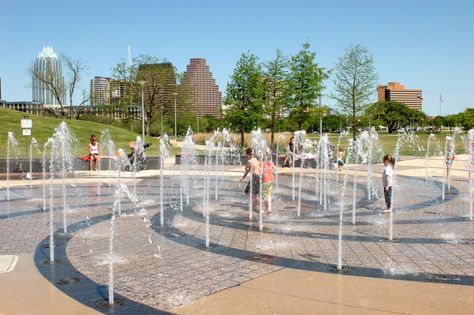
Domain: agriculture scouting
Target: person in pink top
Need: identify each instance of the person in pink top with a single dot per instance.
(268, 171)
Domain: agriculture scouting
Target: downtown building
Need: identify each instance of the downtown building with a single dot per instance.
(159, 87)
(100, 91)
(48, 66)
(206, 97)
(394, 91)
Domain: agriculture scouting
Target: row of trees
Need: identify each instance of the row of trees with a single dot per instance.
(289, 88)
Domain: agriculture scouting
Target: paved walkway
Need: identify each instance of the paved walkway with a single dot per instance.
(280, 270)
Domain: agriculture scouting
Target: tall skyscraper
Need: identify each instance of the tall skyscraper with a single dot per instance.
(394, 91)
(207, 97)
(160, 84)
(100, 91)
(48, 67)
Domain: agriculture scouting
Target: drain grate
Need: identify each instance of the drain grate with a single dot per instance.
(48, 262)
(104, 303)
(211, 245)
(263, 258)
(344, 269)
(68, 280)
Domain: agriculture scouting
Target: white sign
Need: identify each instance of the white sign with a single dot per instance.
(27, 132)
(26, 123)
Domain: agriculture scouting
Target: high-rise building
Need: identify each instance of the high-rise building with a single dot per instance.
(100, 91)
(394, 91)
(47, 66)
(206, 95)
(160, 84)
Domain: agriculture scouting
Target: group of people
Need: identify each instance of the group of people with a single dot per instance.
(293, 153)
(95, 148)
(261, 171)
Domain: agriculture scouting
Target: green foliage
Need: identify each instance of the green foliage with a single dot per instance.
(394, 115)
(276, 90)
(304, 83)
(354, 82)
(244, 95)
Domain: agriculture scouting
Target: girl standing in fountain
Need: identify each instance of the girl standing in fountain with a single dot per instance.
(252, 166)
(449, 157)
(267, 181)
(94, 155)
(340, 159)
(387, 179)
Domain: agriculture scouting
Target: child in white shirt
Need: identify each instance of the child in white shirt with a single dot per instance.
(387, 179)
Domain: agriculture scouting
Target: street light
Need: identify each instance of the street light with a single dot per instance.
(175, 126)
(142, 83)
(320, 93)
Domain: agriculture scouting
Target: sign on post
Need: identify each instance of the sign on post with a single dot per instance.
(26, 124)
(27, 132)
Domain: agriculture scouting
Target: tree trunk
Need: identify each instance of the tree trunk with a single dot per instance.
(354, 131)
(242, 132)
(272, 137)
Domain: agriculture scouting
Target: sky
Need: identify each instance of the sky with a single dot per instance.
(422, 44)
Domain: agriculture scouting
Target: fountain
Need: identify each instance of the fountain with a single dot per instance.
(471, 161)
(206, 184)
(12, 144)
(412, 141)
(281, 139)
(62, 153)
(188, 157)
(433, 148)
(259, 146)
(108, 146)
(122, 162)
(50, 143)
(33, 145)
(341, 210)
(138, 155)
(116, 209)
(323, 164)
(164, 153)
(300, 140)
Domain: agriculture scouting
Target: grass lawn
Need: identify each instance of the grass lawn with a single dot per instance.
(43, 128)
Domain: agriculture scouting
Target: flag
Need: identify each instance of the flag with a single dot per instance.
(441, 98)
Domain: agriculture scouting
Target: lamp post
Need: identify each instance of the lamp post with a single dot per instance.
(320, 93)
(175, 125)
(142, 83)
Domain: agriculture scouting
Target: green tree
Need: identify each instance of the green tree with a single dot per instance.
(466, 119)
(276, 90)
(305, 83)
(394, 115)
(244, 95)
(354, 82)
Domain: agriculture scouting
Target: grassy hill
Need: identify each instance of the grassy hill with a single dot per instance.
(43, 128)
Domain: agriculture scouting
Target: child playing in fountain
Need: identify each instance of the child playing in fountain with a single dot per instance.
(94, 155)
(268, 169)
(387, 179)
(449, 157)
(252, 166)
(340, 159)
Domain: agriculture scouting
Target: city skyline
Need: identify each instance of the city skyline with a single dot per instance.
(434, 54)
(47, 66)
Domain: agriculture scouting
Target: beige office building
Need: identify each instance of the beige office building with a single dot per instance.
(394, 91)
